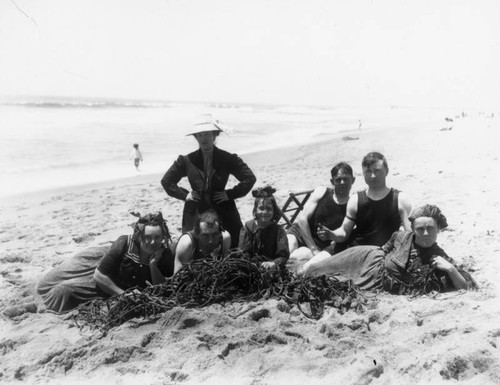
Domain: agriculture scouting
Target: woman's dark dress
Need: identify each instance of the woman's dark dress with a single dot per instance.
(269, 244)
(224, 164)
(72, 282)
(370, 266)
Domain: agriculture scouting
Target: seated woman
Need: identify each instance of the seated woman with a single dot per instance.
(262, 237)
(207, 240)
(392, 266)
(131, 261)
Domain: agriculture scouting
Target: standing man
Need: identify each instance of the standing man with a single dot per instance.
(377, 212)
(326, 207)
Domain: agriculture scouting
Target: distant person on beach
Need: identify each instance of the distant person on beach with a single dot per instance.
(133, 260)
(206, 240)
(377, 212)
(410, 261)
(208, 170)
(262, 238)
(136, 155)
(325, 207)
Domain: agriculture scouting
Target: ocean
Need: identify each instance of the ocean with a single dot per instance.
(59, 142)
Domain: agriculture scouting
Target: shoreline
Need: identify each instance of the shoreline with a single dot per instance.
(253, 158)
(392, 119)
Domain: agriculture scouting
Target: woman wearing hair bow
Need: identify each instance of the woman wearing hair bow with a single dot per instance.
(132, 261)
(262, 238)
(208, 170)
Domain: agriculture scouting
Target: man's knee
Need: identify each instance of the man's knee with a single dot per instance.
(318, 265)
(302, 253)
(298, 257)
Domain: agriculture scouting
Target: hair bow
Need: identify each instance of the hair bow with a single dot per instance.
(263, 192)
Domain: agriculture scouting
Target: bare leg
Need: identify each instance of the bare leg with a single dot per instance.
(302, 254)
(293, 244)
(317, 264)
(298, 255)
(296, 252)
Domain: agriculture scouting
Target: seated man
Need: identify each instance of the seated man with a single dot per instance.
(377, 212)
(326, 207)
(207, 239)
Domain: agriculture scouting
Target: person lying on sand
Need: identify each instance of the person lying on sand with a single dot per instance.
(207, 239)
(132, 261)
(326, 207)
(262, 237)
(395, 266)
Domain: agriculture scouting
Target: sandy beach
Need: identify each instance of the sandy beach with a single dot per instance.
(397, 340)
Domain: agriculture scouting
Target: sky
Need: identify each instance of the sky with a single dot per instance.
(432, 53)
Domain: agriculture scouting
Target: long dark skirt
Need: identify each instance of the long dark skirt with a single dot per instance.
(361, 264)
(71, 283)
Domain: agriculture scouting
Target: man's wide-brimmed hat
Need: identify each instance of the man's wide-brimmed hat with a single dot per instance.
(204, 123)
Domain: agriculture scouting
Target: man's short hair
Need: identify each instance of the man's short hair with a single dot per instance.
(342, 166)
(372, 158)
(210, 217)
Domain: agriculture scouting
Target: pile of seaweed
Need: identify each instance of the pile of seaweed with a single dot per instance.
(420, 281)
(232, 278)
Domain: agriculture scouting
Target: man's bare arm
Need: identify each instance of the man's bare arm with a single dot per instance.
(305, 215)
(404, 208)
(226, 241)
(183, 252)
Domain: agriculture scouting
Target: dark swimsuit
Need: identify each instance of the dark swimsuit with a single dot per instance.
(328, 213)
(376, 221)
